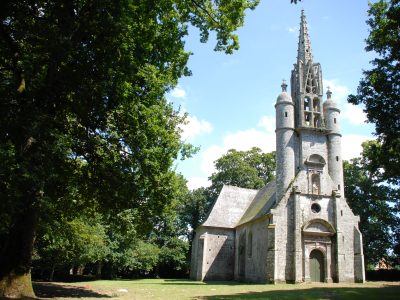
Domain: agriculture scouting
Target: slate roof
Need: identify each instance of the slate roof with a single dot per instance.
(261, 204)
(236, 206)
(230, 206)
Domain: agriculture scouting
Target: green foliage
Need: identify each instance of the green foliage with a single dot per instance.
(143, 257)
(374, 200)
(379, 90)
(84, 124)
(194, 211)
(247, 169)
(174, 256)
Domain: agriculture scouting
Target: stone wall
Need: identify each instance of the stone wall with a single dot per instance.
(213, 254)
(251, 258)
(349, 252)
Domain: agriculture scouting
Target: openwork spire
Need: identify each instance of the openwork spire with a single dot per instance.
(304, 52)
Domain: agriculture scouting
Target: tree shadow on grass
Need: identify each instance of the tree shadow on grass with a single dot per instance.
(358, 293)
(196, 282)
(57, 290)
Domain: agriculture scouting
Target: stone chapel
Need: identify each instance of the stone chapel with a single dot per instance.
(298, 228)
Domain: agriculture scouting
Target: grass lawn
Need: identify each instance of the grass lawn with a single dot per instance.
(186, 289)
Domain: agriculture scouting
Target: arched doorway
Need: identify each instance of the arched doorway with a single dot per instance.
(317, 270)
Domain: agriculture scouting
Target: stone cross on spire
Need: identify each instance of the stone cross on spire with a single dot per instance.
(304, 53)
(284, 85)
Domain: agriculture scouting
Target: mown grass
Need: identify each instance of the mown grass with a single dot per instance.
(186, 289)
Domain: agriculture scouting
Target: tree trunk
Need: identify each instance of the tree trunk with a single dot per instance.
(98, 269)
(16, 256)
(16, 286)
(51, 277)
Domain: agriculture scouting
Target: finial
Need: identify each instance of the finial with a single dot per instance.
(284, 85)
(328, 93)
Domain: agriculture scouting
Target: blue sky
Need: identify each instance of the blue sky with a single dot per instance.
(230, 98)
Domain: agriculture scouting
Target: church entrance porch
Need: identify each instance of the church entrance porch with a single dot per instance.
(317, 247)
(317, 270)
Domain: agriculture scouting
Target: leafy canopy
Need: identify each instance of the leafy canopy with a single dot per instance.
(376, 202)
(247, 169)
(84, 124)
(379, 90)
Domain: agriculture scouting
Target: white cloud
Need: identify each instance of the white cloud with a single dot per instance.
(178, 92)
(195, 127)
(351, 145)
(242, 140)
(268, 123)
(246, 139)
(339, 92)
(197, 182)
(208, 157)
(354, 114)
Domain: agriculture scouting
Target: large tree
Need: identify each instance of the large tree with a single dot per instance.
(376, 202)
(379, 90)
(250, 169)
(83, 119)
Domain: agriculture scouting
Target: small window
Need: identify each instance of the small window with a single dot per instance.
(307, 118)
(286, 114)
(315, 183)
(316, 122)
(315, 208)
(316, 104)
(341, 213)
(338, 186)
(307, 104)
(337, 158)
(250, 244)
(334, 120)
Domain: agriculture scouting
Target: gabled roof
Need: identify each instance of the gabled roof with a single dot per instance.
(261, 204)
(230, 206)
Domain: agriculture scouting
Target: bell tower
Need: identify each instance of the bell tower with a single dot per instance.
(306, 83)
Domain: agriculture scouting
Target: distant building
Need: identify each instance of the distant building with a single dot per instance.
(298, 228)
(383, 265)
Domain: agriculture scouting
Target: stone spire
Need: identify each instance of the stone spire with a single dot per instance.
(306, 83)
(304, 52)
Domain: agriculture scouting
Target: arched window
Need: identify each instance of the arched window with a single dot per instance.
(307, 118)
(307, 104)
(316, 104)
(317, 122)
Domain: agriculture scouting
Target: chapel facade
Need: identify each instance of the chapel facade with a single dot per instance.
(299, 227)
